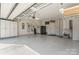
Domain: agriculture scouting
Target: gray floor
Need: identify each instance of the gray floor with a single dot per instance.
(37, 44)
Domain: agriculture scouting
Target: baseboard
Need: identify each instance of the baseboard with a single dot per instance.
(59, 36)
(8, 37)
(51, 34)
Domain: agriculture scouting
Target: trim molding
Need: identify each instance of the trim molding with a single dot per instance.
(6, 19)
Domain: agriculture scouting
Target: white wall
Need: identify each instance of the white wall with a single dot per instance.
(0, 27)
(66, 21)
(26, 30)
(75, 20)
(52, 12)
(76, 28)
(58, 25)
(32, 22)
(51, 29)
(8, 28)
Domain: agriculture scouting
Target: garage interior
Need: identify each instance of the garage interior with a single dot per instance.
(39, 28)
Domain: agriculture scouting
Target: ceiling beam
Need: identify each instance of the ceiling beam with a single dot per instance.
(12, 10)
(6, 19)
(25, 10)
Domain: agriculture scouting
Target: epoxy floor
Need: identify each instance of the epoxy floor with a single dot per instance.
(38, 45)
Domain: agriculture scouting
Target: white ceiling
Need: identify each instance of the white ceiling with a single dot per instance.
(5, 9)
(33, 9)
(50, 11)
(67, 5)
(19, 9)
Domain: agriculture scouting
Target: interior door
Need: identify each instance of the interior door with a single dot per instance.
(43, 29)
